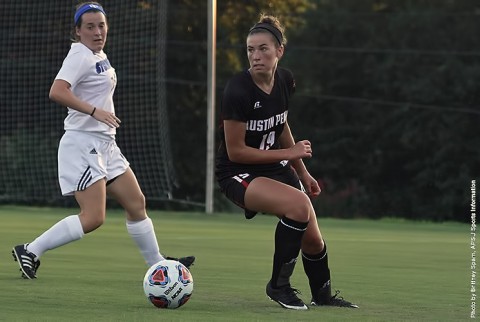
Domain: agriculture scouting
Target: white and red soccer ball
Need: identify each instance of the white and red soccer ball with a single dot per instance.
(168, 284)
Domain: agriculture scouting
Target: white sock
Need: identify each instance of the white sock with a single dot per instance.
(63, 232)
(143, 234)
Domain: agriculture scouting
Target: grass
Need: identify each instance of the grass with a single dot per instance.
(394, 270)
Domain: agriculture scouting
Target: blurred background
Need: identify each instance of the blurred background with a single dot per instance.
(387, 92)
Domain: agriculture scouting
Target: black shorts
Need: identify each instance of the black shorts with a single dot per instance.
(234, 187)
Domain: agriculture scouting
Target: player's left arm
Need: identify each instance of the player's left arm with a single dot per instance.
(309, 182)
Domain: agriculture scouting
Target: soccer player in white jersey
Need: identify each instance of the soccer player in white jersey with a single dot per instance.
(90, 164)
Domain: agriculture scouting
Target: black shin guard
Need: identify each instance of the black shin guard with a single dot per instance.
(318, 273)
(288, 240)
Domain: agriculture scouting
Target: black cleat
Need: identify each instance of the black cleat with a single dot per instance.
(286, 296)
(334, 300)
(35, 266)
(27, 261)
(187, 261)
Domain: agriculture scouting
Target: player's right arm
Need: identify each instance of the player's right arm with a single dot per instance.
(61, 93)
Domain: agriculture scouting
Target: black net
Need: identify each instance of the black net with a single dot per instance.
(35, 37)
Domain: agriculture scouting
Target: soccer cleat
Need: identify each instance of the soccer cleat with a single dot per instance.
(27, 261)
(286, 296)
(334, 300)
(36, 266)
(187, 261)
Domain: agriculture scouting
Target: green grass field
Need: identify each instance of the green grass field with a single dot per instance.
(394, 270)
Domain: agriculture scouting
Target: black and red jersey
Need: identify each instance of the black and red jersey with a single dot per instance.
(264, 116)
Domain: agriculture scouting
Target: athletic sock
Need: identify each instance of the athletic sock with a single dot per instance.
(143, 234)
(288, 240)
(316, 268)
(63, 232)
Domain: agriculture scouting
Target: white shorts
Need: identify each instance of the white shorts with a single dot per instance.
(84, 158)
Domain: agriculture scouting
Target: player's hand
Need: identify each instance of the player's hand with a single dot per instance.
(106, 117)
(301, 149)
(311, 185)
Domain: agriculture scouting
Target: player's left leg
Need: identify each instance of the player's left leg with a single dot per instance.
(270, 196)
(126, 191)
(315, 264)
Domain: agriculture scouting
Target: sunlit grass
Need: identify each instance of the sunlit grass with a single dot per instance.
(394, 270)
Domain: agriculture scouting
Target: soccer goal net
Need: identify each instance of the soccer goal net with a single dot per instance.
(35, 38)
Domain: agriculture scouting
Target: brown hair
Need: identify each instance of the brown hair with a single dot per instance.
(272, 25)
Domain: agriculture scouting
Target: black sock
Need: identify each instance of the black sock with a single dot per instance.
(316, 268)
(288, 240)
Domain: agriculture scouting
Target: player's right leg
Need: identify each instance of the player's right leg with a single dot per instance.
(293, 208)
(27, 261)
(67, 230)
(80, 173)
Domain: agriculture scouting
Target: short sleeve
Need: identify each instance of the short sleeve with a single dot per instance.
(288, 78)
(234, 101)
(73, 68)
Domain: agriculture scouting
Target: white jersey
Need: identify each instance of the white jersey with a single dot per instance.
(92, 80)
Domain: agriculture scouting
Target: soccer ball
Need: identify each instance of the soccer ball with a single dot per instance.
(168, 284)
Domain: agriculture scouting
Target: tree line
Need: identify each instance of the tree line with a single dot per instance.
(386, 92)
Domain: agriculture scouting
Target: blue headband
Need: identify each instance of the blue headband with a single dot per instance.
(85, 8)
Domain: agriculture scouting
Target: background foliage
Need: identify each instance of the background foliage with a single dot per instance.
(386, 91)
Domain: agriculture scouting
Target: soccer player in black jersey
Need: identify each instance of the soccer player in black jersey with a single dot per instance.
(259, 166)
